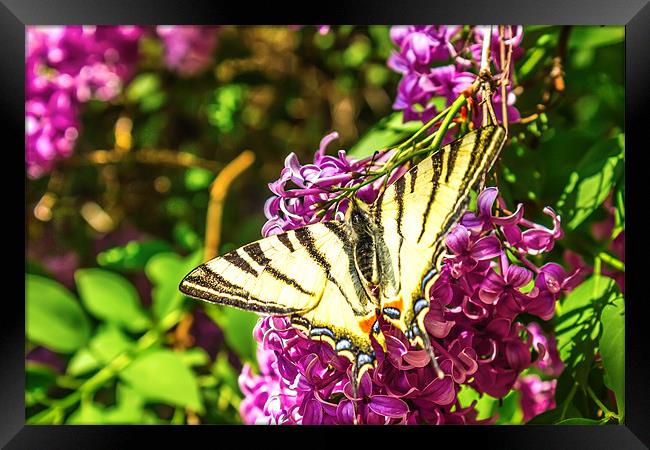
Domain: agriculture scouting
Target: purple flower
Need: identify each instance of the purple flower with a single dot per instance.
(449, 82)
(441, 62)
(517, 35)
(188, 48)
(537, 238)
(413, 95)
(504, 292)
(66, 66)
(537, 396)
(51, 130)
(468, 252)
(314, 184)
(482, 219)
(550, 363)
(421, 45)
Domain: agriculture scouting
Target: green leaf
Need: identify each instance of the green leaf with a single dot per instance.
(195, 356)
(237, 326)
(87, 413)
(161, 375)
(128, 397)
(224, 372)
(509, 412)
(107, 343)
(166, 270)
(187, 237)
(588, 37)
(110, 297)
(129, 408)
(82, 362)
(522, 169)
(485, 404)
(612, 350)
(555, 415)
(594, 177)
(389, 131)
(132, 256)
(578, 324)
(54, 317)
(357, 52)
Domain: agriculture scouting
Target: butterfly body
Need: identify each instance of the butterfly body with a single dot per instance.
(336, 279)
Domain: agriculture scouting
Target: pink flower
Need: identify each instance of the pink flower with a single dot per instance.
(436, 63)
(65, 67)
(188, 48)
(537, 396)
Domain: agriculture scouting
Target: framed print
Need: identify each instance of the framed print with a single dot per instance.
(234, 220)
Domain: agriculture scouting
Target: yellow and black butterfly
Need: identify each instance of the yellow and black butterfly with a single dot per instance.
(334, 279)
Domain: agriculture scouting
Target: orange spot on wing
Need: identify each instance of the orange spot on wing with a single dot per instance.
(366, 324)
(398, 303)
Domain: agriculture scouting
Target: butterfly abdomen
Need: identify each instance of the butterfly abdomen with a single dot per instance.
(364, 252)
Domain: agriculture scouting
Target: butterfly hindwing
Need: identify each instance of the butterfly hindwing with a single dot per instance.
(307, 274)
(419, 209)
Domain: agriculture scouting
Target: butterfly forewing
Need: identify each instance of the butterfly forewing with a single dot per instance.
(307, 274)
(419, 209)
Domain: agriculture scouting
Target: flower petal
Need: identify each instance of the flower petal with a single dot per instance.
(388, 406)
(486, 248)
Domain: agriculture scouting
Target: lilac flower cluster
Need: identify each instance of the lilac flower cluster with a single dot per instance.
(67, 66)
(486, 282)
(188, 48)
(317, 183)
(439, 62)
(538, 395)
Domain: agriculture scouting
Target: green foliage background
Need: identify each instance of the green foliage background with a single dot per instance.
(104, 304)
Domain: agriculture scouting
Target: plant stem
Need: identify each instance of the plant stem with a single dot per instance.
(568, 400)
(145, 156)
(401, 157)
(606, 411)
(426, 126)
(612, 261)
(453, 109)
(218, 193)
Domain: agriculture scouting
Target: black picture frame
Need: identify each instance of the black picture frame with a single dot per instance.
(16, 14)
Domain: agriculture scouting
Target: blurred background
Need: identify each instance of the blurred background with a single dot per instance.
(123, 148)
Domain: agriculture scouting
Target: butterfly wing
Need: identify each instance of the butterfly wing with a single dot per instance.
(418, 210)
(307, 274)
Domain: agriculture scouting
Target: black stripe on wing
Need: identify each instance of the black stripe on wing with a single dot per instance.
(306, 240)
(205, 284)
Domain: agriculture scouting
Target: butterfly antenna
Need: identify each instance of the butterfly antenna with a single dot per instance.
(429, 349)
(372, 161)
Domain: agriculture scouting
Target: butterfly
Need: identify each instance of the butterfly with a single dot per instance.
(335, 279)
